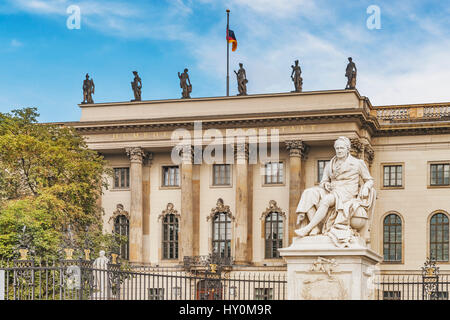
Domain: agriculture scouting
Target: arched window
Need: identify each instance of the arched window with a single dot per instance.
(121, 227)
(439, 237)
(170, 237)
(222, 234)
(392, 238)
(273, 234)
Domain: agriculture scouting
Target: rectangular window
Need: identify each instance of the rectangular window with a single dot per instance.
(221, 175)
(393, 176)
(171, 176)
(121, 178)
(155, 293)
(263, 294)
(392, 295)
(274, 173)
(441, 295)
(440, 174)
(321, 168)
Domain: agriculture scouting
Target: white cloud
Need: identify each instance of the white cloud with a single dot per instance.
(392, 68)
(418, 76)
(16, 43)
(279, 8)
(41, 6)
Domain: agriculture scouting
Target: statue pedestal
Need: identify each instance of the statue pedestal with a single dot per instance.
(318, 270)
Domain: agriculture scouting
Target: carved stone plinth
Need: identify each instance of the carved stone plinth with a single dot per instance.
(318, 270)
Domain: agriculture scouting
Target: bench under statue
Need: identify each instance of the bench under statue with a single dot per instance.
(342, 206)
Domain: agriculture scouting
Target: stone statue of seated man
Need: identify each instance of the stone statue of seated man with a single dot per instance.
(339, 207)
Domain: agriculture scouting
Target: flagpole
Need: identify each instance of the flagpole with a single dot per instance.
(228, 54)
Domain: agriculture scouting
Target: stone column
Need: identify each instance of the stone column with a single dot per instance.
(136, 156)
(146, 208)
(240, 238)
(361, 149)
(297, 152)
(187, 217)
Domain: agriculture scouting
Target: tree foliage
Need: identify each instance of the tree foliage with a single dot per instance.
(49, 180)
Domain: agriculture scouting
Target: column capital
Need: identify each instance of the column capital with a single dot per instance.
(296, 148)
(136, 154)
(369, 154)
(148, 158)
(362, 149)
(356, 148)
(186, 151)
(241, 151)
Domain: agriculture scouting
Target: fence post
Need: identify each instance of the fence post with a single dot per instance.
(2, 284)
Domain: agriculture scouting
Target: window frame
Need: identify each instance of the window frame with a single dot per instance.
(162, 185)
(396, 295)
(278, 184)
(317, 180)
(445, 214)
(212, 180)
(228, 230)
(266, 293)
(156, 293)
(401, 246)
(167, 242)
(114, 178)
(429, 165)
(127, 244)
(389, 164)
(279, 221)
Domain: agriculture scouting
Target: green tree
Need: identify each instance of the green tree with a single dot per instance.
(49, 180)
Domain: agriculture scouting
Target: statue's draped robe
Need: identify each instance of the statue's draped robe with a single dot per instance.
(345, 182)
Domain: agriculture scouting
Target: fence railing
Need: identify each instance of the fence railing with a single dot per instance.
(411, 287)
(81, 280)
(413, 112)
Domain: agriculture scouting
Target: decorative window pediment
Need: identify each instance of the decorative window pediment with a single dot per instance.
(273, 207)
(220, 208)
(119, 212)
(170, 209)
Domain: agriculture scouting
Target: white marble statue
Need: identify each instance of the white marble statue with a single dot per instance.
(100, 276)
(340, 207)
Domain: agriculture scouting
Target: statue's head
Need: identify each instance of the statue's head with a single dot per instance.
(342, 146)
(87, 75)
(101, 253)
(350, 59)
(135, 73)
(296, 62)
(241, 65)
(186, 70)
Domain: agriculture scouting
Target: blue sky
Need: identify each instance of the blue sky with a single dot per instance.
(43, 63)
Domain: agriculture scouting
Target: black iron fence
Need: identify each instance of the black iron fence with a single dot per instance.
(86, 280)
(412, 287)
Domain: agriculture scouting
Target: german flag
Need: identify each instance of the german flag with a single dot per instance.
(231, 38)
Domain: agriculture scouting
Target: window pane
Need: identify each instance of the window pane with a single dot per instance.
(392, 238)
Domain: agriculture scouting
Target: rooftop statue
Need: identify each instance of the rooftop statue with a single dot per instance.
(350, 73)
(241, 80)
(339, 207)
(296, 77)
(185, 84)
(88, 90)
(136, 85)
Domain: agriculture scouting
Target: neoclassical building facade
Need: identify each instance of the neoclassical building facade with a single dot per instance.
(173, 195)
